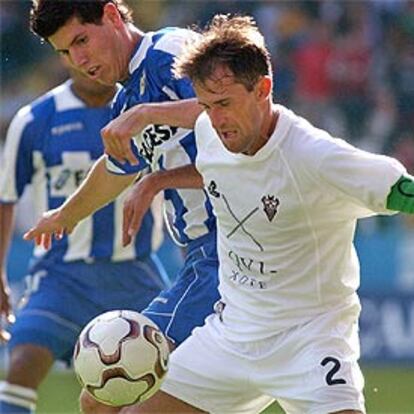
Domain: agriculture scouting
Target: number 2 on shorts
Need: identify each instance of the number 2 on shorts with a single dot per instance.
(330, 380)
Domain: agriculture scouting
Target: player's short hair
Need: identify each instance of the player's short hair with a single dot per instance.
(231, 41)
(48, 16)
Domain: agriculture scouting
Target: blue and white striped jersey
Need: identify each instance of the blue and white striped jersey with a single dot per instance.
(189, 212)
(52, 143)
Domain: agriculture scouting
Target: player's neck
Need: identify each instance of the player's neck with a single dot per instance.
(133, 37)
(135, 34)
(94, 98)
(272, 122)
(266, 131)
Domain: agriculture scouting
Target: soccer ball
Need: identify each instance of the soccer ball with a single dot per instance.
(121, 357)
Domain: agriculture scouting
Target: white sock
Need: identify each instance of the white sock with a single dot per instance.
(17, 395)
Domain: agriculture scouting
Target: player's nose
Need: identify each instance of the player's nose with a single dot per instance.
(78, 58)
(217, 118)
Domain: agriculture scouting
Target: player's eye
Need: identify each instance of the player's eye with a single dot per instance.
(82, 40)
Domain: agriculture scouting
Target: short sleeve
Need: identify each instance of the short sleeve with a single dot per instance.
(17, 158)
(361, 175)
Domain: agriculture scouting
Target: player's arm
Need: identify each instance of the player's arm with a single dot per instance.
(16, 172)
(143, 192)
(99, 188)
(6, 228)
(401, 196)
(117, 134)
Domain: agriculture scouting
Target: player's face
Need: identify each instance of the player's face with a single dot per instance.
(93, 49)
(237, 114)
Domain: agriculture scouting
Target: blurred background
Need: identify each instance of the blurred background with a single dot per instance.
(347, 66)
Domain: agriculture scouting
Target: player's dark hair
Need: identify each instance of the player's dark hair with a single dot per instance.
(48, 16)
(231, 41)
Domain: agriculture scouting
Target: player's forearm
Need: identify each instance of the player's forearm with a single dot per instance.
(6, 230)
(183, 113)
(181, 177)
(99, 188)
(401, 196)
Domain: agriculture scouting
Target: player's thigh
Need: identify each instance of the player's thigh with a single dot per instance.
(206, 375)
(184, 306)
(317, 368)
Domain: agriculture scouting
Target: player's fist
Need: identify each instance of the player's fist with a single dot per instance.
(118, 133)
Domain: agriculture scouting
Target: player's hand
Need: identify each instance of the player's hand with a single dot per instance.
(6, 314)
(51, 225)
(136, 205)
(117, 134)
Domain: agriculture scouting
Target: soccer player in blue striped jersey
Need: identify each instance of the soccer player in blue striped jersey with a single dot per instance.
(99, 38)
(163, 147)
(52, 143)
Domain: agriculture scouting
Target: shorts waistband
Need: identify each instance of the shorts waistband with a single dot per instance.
(206, 238)
(204, 246)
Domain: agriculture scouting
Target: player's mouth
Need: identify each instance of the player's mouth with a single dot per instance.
(93, 72)
(229, 134)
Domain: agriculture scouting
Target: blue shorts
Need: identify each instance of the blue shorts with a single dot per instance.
(63, 297)
(184, 306)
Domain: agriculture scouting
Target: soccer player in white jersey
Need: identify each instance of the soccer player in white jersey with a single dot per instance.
(52, 143)
(287, 198)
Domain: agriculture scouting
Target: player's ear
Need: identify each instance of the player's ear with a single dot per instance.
(111, 13)
(264, 87)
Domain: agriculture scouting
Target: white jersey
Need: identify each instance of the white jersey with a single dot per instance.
(286, 222)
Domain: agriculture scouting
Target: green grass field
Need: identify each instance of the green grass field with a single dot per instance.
(387, 390)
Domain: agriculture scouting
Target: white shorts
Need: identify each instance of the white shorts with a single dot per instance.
(311, 368)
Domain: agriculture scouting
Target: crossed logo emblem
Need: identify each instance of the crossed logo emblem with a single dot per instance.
(270, 205)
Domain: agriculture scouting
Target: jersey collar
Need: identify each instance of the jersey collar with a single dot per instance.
(140, 52)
